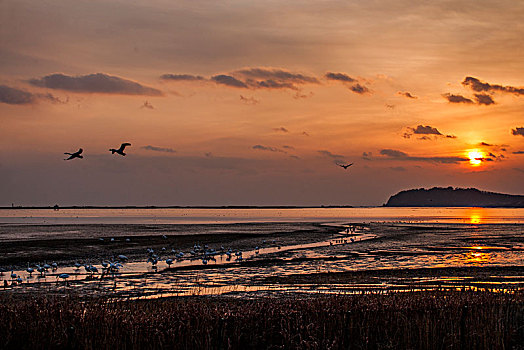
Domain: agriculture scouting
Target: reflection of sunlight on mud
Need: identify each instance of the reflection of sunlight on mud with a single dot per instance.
(477, 257)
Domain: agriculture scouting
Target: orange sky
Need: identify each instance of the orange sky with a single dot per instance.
(254, 102)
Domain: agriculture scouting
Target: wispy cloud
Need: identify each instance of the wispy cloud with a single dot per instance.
(407, 94)
(268, 148)
(351, 83)
(15, 96)
(249, 100)
(229, 81)
(158, 149)
(147, 105)
(403, 156)
(331, 155)
(275, 74)
(94, 83)
(340, 77)
(182, 77)
(281, 129)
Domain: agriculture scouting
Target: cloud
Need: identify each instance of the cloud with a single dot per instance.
(407, 94)
(367, 155)
(330, 155)
(340, 77)
(398, 168)
(14, 96)
(147, 105)
(305, 133)
(359, 89)
(270, 84)
(456, 98)
(298, 95)
(228, 81)
(424, 130)
(158, 149)
(253, 78)
(518, 131)
(402, 156)
(94, 83)
(483, 99)
(268, 148)
(393, 153)
(288, 147)
(346, 80)
(272, 78)
(479, 86)
(276, 75)
(49, 97)
(281, 129)
(249, 100)
(182, 77)
(518, 152)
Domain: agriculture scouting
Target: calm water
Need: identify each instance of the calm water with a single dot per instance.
(208, 216)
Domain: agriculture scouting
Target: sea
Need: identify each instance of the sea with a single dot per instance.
(467, 215)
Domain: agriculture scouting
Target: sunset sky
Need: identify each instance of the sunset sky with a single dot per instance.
(255, 102)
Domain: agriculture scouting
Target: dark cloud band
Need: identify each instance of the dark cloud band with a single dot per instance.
(14, 96)
(94, 83)
(158, 149)
(402, 156)
(479, 86)
(518, 131)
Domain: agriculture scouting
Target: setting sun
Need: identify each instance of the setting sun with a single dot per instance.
(475, 157)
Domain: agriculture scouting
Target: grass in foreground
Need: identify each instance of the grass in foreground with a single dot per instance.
(428, 320)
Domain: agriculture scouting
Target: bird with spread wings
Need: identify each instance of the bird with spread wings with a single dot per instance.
(345, 166)
(77, 154)
(121, 149)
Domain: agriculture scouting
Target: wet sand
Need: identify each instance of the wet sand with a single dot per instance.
(296, 258)
(67, 244)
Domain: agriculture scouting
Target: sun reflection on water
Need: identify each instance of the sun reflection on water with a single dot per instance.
(476, 215)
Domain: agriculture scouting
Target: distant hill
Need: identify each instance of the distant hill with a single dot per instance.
(453, 197)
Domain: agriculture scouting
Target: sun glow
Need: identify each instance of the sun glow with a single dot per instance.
(475, 157)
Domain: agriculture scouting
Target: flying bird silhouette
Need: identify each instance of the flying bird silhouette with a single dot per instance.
(121, 149)
(77, 154)
(345, 166)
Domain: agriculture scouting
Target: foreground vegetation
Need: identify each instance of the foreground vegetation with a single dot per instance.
(427, 320)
